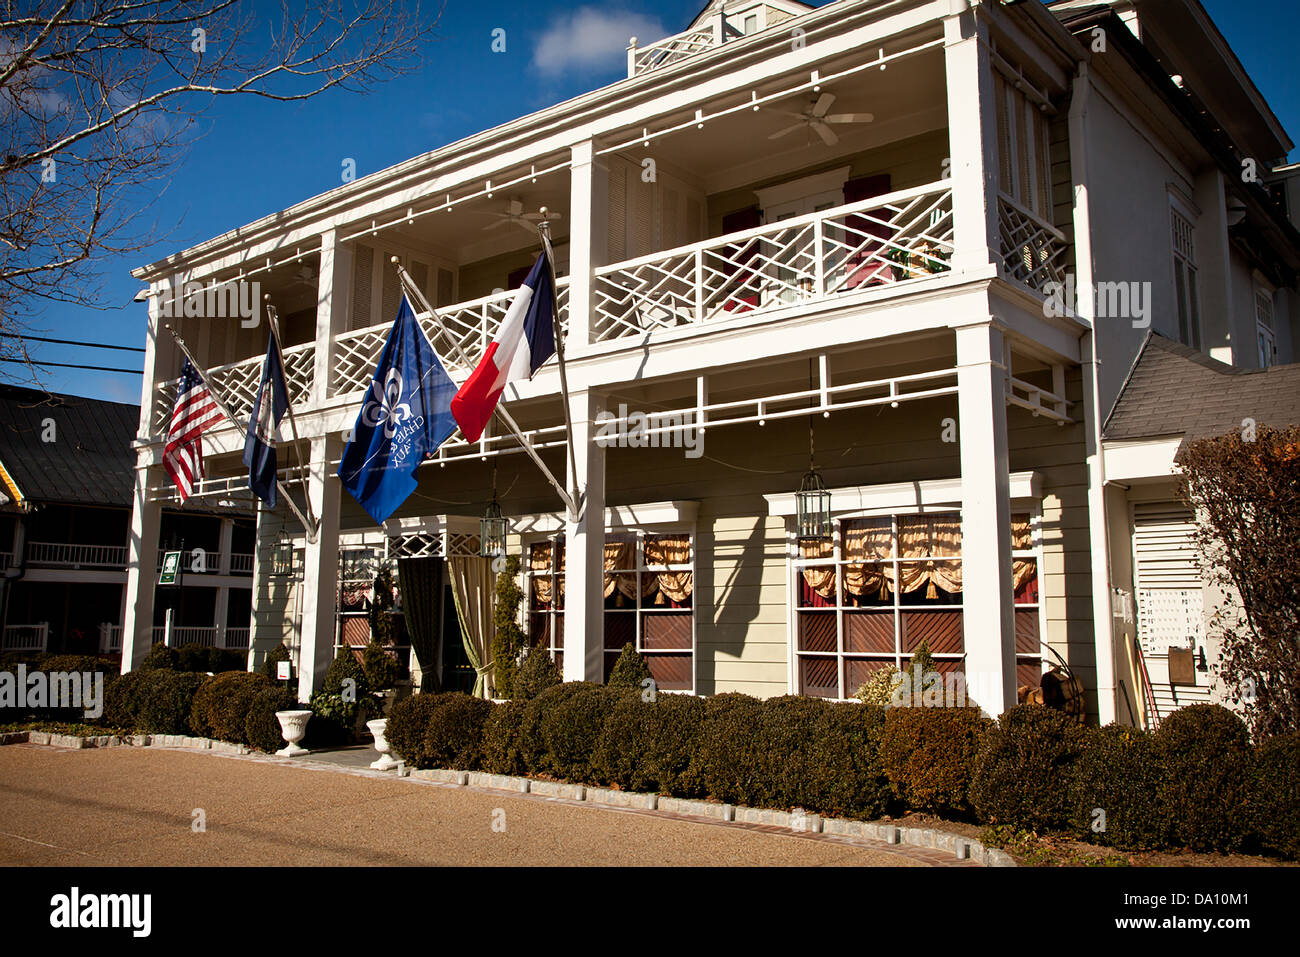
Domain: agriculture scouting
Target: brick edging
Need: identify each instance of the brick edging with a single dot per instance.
(961, 848)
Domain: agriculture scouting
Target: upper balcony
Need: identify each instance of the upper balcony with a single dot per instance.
(711, 29)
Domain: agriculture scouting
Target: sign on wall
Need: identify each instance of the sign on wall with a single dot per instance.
(171, 569)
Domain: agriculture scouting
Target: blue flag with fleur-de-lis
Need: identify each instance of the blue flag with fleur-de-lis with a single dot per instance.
(405, 416)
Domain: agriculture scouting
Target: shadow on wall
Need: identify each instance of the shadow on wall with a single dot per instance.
(733, 605)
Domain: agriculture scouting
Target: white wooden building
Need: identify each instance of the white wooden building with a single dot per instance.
(849, 221)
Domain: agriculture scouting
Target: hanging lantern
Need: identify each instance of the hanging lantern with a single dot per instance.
(493, 529)
(813, 507)
(282, 557)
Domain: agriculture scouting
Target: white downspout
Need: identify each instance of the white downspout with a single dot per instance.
(1102, 613)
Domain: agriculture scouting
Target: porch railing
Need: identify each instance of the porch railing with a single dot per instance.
(1033, 250)
(890, 239)
(110, 638)
(76, 556)
(469, 325)
(209, 636)
(25, 637)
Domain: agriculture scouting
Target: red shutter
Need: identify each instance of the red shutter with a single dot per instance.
(745, 286)
(872, 271)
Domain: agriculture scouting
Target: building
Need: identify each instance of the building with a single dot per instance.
(859, 240)
(66, 464)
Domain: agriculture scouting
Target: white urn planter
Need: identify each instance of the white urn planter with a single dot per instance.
(293, 725)
(386, 761)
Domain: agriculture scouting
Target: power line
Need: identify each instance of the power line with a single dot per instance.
(73, 342)
(73, 365)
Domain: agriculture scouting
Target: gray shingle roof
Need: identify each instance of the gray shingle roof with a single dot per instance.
(90, 460)
(1175, 390)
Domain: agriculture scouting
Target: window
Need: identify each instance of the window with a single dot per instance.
(1024, 166)
(1264, 334)
(1185, 286)
(868, 599)
(649, 602)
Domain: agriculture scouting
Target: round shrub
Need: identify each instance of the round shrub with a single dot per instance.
(273, 657)
(534, 750)
(121, 702)
(1026, 768)
(222, 702)
(261, 727)
(501, 753)
(193, 657)
(535, 675)
(727, 763)
(1275, 783)
(1119, 773)
(1205, 755)
(571, 730)
(344, 667)
(89, 663)
(454, 736)
(160, 656)
(930, 756)
(166, 701)
(647, 745)
(408, 724)
(380, 667)
(851, 780)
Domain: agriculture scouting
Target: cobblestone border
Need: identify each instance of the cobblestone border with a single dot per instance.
(961, 848)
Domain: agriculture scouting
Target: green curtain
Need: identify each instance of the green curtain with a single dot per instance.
(419, 580)
(471, 588)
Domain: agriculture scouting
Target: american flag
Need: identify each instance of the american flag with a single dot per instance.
(194, 414)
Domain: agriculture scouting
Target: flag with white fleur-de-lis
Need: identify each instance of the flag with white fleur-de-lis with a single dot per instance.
(405, 417)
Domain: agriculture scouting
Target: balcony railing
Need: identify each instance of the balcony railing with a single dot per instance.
(76, 556)
(469, 325)
(237, 384)
(720, 28)
(25, 637)
(1033, 250)
(821, 256)
(209, 636)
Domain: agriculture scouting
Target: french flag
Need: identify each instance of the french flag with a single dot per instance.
(525, 340)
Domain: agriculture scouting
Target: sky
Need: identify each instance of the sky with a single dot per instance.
(256, 157)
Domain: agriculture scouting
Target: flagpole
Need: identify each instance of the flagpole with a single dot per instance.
(243, 432)
(544, 230)
(499, 411)
(273, 318)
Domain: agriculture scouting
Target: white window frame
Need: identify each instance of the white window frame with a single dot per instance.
(1183, 260)
(1265, 330)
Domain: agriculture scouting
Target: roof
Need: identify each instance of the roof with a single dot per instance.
(1175, 390)
(67, 449)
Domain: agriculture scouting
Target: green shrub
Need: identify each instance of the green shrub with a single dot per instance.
(878, 689)
(192, 657)
(343, 667)
(226, 659)
(507, 639)
(851, 780)
(930, 756)
(334, 719)
(1119, 772)
(273, 657)
(160, 656)
(630, 670)
(501, 754)
(647, 745)
(1275, 784)
(1205, 756)
(1026, 768)
(727, 762)
(122, 703)
(454, 736)
(222, 702)
(535, 675)
(380, 667)
(534, 751)
(79, 663)
(261, 727)
(571, 728)
(408, 724)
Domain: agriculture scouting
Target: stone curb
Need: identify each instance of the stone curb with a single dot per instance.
(53, 740)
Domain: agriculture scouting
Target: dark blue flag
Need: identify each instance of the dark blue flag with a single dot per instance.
(406, 415)
(269, 406)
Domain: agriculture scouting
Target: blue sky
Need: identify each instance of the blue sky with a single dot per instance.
(257, 157)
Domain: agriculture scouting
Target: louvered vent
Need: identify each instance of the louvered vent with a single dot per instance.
(445, 287)
(420, 273)
(617, 219)
(362, 286)
(392, 289)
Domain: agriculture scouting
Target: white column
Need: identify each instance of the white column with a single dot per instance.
(584, 570)
(333, 306)
(588, 242)
(988, 613)
(320, 568)
(142, 567)
(972, 138)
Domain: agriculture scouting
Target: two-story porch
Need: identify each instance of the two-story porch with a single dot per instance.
(841, 234)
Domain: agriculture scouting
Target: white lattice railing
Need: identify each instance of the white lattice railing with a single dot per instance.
(890, 239)
(1033, 251)
(25, 637)
(669, 50)
(469, 325)
(76, 556)
(236, 384)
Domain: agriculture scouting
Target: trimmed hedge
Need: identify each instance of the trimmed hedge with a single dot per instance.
(930, 756)
(647, 745)
(727, 760)
(160, 656)
(454, 735)
(1118, 773)
(1275, 784)
(196, 657)
(537, 673)
(152, 702)
(222, 703)
(1026, 769)
(408, 722)
(572, 727)
(1205, 758)
(501, 754)
(630, 670)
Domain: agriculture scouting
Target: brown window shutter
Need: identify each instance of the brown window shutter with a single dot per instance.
(865, 187)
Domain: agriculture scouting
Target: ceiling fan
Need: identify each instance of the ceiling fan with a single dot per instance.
(819, 120)
(515, 214)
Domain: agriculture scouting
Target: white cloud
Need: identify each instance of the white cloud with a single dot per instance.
(589, 39)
